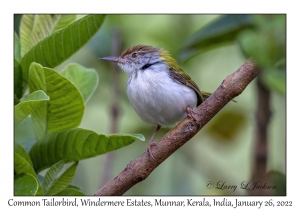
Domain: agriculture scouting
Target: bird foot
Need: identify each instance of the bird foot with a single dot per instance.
(149, 148)
(151, 142)
(192, 114)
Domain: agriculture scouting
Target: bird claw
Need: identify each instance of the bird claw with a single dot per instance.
(151, 142)
(191, 113)
(149, 148)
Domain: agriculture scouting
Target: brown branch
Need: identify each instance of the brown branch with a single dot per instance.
(140, 168)
(263, 114)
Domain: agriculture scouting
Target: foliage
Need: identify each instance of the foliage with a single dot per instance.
(222, 31)
(261, 37)
(53, 109)
(266, 43)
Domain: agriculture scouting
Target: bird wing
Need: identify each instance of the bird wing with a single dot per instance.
(180, 76)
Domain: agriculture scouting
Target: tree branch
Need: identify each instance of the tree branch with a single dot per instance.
(140, 168)
(263, 114)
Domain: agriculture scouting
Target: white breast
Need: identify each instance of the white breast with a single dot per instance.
(157, 99)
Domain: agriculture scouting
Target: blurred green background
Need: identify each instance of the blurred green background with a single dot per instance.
(221, 151)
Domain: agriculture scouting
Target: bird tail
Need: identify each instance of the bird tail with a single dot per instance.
(207, 94)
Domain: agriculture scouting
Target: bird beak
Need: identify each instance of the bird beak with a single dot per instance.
(114, 59)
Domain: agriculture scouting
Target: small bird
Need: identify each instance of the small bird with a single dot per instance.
(160, 92)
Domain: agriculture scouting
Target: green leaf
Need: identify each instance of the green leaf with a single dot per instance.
(28, 105)
(73, 187)
(65, 108)
(34, 28)
(63, 21)
(25, 184)
(17, 49)
(259, 47)
(26, 26)
(63, 181)
(74, 145)
(221, 31)
(85, 79)
(80, 16)
(50, 176)
(16, 100)
(70, 192)
(275, 79)
(266, 43)
(23, 164)
(57, 47)
(18, 79)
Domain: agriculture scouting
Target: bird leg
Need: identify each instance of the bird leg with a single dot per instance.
(191, 113)
(151, 142)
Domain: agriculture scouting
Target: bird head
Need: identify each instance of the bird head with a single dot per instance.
(142, 57)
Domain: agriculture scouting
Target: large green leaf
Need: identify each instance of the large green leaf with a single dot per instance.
(220, 32)
(51, 175)
(65, 108)
(85, 79)
(25, 184)
(63, 180)
(28, 105)
(74, 145)
(34, 28)
(23, 164)
(57, 47)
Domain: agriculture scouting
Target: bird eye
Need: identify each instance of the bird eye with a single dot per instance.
(134, 55)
